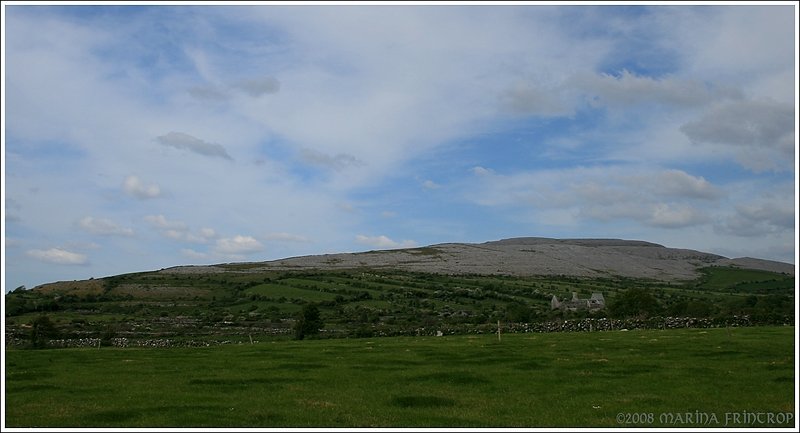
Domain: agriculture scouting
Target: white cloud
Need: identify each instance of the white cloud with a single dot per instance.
(58, 256)
(630, 89)
(184, 236)
(607, 184)
(238, 245)
(481, 171)
(767, 215)
(346, 207)
(534, 99)
(677, 183)
(135, 187)
(161, 222)
(286, 237)
(201, 237)
(742, 43)
(208, 92)
(381, 94)
(104, 227)
(383, 242)
(180, 140)
(659, 215)
(256, 87)
(654, 197)
(194, 255)
(761, 132)
(675, 216)
(207, 233)
(338, 162)
(429, 184)
(253, 87)
(12, 243)
(179, 231)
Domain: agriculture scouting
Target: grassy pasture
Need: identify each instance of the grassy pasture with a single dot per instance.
(525, 380)
(745, 280)
(277, 291)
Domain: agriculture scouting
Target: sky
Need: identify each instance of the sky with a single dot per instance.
(143, 137)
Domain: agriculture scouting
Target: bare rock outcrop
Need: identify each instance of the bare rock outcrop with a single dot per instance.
(528, 256)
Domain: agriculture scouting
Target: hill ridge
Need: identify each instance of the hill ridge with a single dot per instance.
(520, 256)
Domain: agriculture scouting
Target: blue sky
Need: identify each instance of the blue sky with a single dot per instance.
(141, 137)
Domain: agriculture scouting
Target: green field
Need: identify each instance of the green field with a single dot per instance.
(525, 380)
(231, 305)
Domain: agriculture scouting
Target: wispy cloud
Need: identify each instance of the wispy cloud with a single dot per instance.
(201, 237)
(103, 227)
(183, 141)
(678, 183)
(135, 187)
(675, 216)
(429, 184)
(208, 92)
(194, 255)
(256, 87)
(764, 216)
(161, 222)
(58, 256)
(627, 89)
(238, 245)
(481, 171)
(337, 162)
(662, 198)
(179, 230)
(286, 237)
(760, 132)
(383, 242)
(531, 98)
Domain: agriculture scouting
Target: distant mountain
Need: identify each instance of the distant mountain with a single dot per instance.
(520, 257)
(399, 292)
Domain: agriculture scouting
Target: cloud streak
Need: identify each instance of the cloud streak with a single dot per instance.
(628, 89)
(238, 245)
(337, 162)
(257, 87)
(760, 132)
(286, 237)
(666, 198)
(58, 256)
(384, 242)
(179, 231)
(183, 141)
(161, 222)
(135, 187)
(104, 227)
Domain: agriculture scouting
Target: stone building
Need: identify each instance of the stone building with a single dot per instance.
(595, 302)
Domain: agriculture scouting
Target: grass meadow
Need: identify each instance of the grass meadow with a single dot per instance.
(524, 380)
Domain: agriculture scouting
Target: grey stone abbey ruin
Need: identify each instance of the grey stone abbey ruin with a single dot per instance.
(595, 302)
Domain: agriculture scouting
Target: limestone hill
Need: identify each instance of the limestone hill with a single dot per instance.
(527, 256)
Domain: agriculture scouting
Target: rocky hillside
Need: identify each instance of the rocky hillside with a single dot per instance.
(520, 257)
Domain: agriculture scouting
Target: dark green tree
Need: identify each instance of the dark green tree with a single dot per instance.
(634, 302)
(308, 322)
(42, 330)
(699, 308)
(518, 313)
